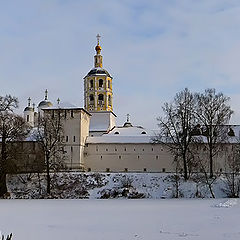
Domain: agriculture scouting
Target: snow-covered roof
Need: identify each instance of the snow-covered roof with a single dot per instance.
(138, 134)
(102, 121)
(62, 105)
(134, 134)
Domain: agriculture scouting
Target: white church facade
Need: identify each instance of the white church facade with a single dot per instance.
(93, 142)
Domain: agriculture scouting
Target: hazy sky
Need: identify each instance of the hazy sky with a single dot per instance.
(153, 49)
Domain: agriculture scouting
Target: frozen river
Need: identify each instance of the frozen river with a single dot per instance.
(121, 219)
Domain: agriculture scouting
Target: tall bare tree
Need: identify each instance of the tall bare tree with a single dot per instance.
(12, 128)
(50, 135)
(231, 173)
(176, 128)
(213, 112)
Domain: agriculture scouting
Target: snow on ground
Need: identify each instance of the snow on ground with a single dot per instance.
(109, 185)
(190, 219)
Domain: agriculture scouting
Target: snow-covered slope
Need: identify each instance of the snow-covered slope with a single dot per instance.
(110, 185)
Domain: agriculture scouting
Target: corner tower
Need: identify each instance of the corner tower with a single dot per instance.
(98, 85)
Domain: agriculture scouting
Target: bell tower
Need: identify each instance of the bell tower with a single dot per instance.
(98, 85)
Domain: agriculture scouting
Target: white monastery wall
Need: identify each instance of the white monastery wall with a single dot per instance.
(119, 157)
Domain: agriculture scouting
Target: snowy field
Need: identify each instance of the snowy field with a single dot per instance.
(171, 219)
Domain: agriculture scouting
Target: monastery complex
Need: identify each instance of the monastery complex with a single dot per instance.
(93, 142)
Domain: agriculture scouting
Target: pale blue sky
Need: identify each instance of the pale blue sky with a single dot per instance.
(153, 49)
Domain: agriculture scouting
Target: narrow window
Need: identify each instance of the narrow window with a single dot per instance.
(115, 149)
(119, 157)
(66, 138)
(101, 157)
(138, 157)
(71, 113)
(106, 149)
(74, 139)
(156, 157)
(125, 170)
(91, 98)
(89, 169)
(27, 118)
(152, 149)
(163, 170)
(100, 83)
(144, 169)
(91, 83)
(107, 169)
(125, 149)
(143, 149)
(109, 84)
(100, 97)
(109, 100)
(65, 114)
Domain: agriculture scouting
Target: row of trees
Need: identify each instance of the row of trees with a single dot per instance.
(195, 118)
(48, 133)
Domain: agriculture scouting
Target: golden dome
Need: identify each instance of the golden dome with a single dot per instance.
(98, 48)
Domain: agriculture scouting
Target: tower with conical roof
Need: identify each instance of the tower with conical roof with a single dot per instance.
(98, 85)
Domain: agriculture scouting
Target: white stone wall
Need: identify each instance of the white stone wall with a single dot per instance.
(144, 157)
(76, 129)
(128, 157)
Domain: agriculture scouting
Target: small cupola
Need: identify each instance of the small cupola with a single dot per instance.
(45, 103)
(29, 108)
(127, 123)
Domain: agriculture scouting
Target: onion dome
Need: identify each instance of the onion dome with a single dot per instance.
(45, 102)
(29, 108)
(98, 48)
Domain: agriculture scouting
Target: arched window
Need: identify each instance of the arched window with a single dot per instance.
(91, 83)
(109, 100)
(100, 83)
(100, 97)
(91, 97)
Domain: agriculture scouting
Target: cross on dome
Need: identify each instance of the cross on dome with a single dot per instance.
(128, 117)
(29, 101)
(46, 94)
(98, 38)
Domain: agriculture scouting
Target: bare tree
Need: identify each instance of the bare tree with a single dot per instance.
(202, 175)
(231, 173)
(176, 128)
(50, 135)
(212, 112)
(9, 237)
(12, 128)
